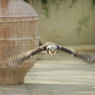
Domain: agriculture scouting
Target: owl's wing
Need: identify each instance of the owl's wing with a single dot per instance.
(19, 59)
(85, 56)
(16, 61)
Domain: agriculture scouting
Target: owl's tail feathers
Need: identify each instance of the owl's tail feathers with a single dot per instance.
(87, 57)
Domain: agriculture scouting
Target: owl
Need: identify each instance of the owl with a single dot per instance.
(51, 49)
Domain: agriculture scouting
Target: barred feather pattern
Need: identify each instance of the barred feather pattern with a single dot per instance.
(87, 57)
(18, 60)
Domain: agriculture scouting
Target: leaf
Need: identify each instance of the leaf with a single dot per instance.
(44, 2)
(93, 3)
(26, 1)
(78, 29)
(82, 22)
(86, 19)
(86, 25)
(70, 6)
(53, 1)
(73, 1)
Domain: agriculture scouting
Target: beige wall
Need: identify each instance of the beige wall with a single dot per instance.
(61, 26)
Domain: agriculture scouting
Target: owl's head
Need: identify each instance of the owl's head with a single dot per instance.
(52, 49)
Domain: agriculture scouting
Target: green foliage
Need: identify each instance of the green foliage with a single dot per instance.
(45, 6)
(46, 3)
(83, 22)
(93, 3)
(26, 1)
(73, 2)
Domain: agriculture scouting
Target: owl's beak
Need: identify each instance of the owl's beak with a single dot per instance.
(53, 52)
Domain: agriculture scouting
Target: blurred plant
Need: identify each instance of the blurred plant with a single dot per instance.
(27, 1)
(93, 3)
(45, 6)
(46, 3)
(83, 22)
(73, 2)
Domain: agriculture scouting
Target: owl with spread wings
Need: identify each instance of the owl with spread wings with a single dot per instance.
(51, 49)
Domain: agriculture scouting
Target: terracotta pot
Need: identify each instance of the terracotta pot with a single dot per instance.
(18, 34)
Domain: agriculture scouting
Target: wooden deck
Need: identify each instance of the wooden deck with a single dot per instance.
(48, 77)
